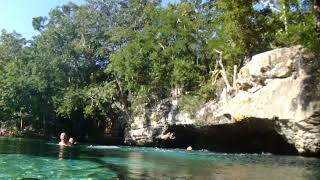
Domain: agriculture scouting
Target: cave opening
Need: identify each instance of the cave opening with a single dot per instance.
(248, 136)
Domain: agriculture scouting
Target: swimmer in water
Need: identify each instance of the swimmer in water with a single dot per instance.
(71, 142)
(63, 139)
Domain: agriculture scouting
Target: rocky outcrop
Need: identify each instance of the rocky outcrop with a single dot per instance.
(275, 108)
(151, 126)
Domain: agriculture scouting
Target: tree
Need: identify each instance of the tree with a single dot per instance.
(244, 29)
(169, 53)
(21, 88)
(316, 7)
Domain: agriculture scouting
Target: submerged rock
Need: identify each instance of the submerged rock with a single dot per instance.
(275, 108)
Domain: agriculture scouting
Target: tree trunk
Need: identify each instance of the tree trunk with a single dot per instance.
(285, 8)
(316, 7)
(21, 124)
(44, 122)
(235, 70)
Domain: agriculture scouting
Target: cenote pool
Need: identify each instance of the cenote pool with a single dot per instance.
(35, 159)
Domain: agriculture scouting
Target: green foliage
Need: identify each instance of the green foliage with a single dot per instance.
(99, 99)
(167, 54)
(104, 59)
(185, 74)
(302, 33)
(72, 101)
(190, 103)
(244, 30)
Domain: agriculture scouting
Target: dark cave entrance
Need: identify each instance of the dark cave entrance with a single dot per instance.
(247, 136)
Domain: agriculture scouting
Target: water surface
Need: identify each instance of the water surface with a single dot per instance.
(25, 158)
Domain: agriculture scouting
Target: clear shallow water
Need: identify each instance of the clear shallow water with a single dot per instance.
(23, 158)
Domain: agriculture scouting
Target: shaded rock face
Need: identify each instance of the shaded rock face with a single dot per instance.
(250, 136)
(275, 108)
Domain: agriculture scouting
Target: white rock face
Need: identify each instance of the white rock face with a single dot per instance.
(281, 85)
(152, 124)
(286, 91)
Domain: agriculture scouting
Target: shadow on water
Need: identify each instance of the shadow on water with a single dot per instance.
(120, 171)
(76, 153)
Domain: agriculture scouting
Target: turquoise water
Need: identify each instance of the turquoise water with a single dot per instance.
(23, 158)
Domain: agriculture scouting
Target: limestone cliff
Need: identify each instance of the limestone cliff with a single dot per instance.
(275, 108)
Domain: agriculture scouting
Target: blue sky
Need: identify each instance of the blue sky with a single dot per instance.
(17, 14)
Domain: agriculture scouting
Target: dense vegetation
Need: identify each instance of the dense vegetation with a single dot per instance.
(95, 63)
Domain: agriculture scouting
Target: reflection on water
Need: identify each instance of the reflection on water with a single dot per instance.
(61, 152)
(159, 163)
(66, 153)
(21, 158)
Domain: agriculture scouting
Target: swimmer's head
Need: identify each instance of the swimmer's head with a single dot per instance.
(63, 136)
(71, 141)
